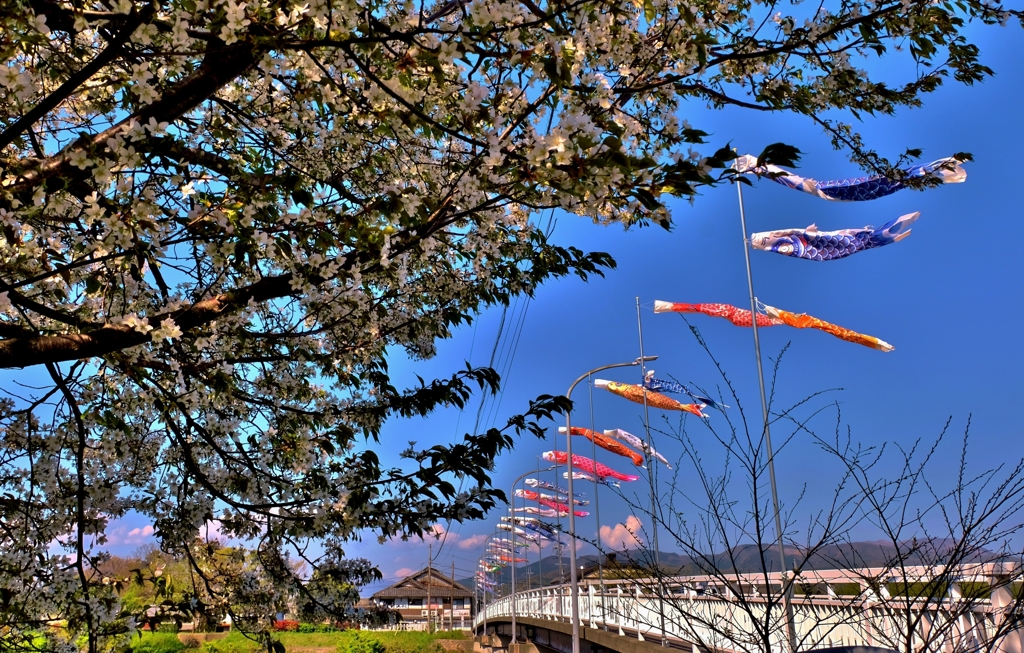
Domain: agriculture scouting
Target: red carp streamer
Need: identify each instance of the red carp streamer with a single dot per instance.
(605, 442)
(587, 465)
(738, 316)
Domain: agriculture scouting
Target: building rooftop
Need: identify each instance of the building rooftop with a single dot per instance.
(416, 586)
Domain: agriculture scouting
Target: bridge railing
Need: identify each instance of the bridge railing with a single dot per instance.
(741, 615)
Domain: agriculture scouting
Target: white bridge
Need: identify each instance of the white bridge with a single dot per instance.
(977, 608)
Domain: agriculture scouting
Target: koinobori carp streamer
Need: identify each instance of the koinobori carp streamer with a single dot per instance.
(738, 316)
(815, 245)
(638, 394)
(606, 443)
(586, 465)
(854, 189)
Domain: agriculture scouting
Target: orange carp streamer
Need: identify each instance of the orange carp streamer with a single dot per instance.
(607, 443)
(635, 393)
(738, 316)
(804, 321)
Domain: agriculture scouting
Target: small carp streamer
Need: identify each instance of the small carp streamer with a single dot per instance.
(536, 482)
(542, 512)
(602, 440)
(660, 385)
(738, 316)
(629, 438)
(587, 476)
(815, 245)
(546, 500)
(587, 465)
(534, 524)
(855, 189)
(550, 497)
(533, 537)
(804, 321)
(635, 393)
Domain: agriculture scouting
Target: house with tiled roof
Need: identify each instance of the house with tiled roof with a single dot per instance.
(426, 597)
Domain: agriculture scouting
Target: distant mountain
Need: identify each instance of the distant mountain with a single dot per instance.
(743, 559)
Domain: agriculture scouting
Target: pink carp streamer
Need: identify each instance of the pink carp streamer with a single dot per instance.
(586, 465)
(544, 501)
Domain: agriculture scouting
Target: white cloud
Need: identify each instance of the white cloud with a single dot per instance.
(404, 571)
(472, 541)
(623, 536)
(119, 534)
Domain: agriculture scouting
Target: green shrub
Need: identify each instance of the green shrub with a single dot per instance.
(317, 628)
(235, 642)
(360, 643)
(158, 642)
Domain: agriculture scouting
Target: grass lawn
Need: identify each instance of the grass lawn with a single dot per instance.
(235, 642)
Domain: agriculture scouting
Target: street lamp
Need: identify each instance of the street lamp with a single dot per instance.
(512, 498)
(574, 598)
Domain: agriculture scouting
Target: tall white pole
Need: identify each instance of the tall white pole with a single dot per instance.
(786, 592)
(597, 509)
(651, 471)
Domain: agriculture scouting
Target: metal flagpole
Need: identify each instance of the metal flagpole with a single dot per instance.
(597, 509)
(540, 547)
(787, 593)
(651, 470)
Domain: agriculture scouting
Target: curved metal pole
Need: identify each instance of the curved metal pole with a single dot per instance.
(574, 596)
(512, 498)
(786, 598)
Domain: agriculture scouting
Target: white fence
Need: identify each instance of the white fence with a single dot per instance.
(744, 611)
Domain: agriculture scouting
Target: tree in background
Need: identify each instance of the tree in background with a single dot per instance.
(219, 217)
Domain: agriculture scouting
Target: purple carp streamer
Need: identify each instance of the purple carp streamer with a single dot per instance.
(854, 189)
(815, 245)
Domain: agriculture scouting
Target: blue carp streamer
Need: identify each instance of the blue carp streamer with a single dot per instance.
(854, 189)
(660, 385)
(815, 245)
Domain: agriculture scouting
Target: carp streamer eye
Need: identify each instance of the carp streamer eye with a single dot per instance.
(786, 248)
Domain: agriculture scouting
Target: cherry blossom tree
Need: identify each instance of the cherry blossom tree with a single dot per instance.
(218, 218)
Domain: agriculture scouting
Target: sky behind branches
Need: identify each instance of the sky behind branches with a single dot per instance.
(948, 297)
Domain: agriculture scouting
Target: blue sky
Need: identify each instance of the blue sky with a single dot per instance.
(948, 297)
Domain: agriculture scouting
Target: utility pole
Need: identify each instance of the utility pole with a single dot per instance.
(430, 574)
(451, 600)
